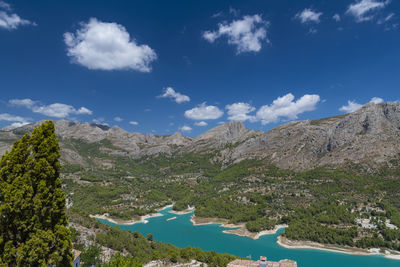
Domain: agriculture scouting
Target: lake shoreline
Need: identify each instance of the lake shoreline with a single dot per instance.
(254, 235)
(142, 219)
(241, 228)
(291, 244)
(182, 212)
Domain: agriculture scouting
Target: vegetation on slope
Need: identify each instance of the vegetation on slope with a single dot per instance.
(253, 192)
(137, 248)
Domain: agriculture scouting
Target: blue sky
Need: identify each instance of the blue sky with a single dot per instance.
(166, 66)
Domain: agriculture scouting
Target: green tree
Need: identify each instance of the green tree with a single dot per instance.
(150, 237)
(120, 261)
(91, 256)
(33, 223)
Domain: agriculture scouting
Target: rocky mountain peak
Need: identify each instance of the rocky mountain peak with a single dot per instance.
(228, 131)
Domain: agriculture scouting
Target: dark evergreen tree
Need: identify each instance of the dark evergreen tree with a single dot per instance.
(33, 223)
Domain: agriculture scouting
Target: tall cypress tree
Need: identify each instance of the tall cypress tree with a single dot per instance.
(33, 223)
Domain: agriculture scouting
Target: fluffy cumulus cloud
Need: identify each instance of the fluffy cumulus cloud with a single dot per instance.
(353, 106)
(169, 92)
(57, 110)
(133, 123)
(11, 21)
(201, 123)
(118, 119)
(240, 112)
(204, 112)
(247, 34)
(286, 108)
(308, 15)
(364, 10)
(107, 46)
(185, 128)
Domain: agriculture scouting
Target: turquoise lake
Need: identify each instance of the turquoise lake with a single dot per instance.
(182, 233)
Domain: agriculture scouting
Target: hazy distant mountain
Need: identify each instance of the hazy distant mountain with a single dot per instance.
(369, 136)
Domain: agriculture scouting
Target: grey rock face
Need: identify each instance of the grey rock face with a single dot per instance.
(368, 136)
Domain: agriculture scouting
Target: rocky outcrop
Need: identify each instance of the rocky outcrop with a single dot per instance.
(369, 136)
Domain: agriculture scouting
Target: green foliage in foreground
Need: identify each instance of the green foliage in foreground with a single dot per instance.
(138, 248)
(91, 256)
(33, 223)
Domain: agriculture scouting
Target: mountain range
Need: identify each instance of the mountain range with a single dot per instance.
(369, 137)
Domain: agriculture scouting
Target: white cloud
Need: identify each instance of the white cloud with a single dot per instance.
(350, 107)
(84, 111)
(204, 112)
(312, 30)
(233, 11)
(308, 15)
(376, 100)
(169, 92)
(216, 15)
(15, 125)
(9, 117)
(28, 103)
(201, 123)
(185, 128)
(133, 123)
(386, 19)
(239, 111)
(353, 106)
(118, 119)
(60, 110)
(336, 17)
(389, 17)
(11, 21)
(363, 10)
(247, 34)
(57, 110)
(107, 46)
(100, 120)
(4, 5)
(18, 121)
(286, 107)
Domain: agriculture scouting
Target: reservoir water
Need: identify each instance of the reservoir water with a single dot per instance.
(182, 233)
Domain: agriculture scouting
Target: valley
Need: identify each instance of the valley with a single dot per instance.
(333, 181)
